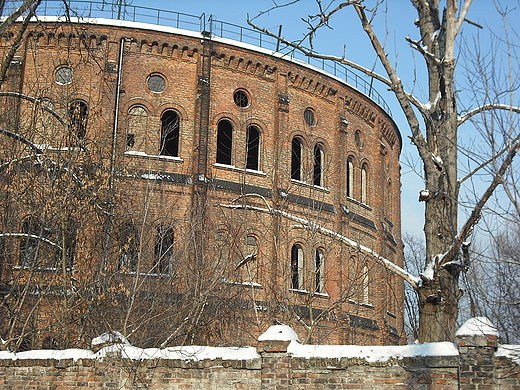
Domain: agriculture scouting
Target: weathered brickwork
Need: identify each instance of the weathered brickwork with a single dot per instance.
(249, 129)
(273, 369)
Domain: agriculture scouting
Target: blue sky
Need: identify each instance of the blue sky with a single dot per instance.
(346, 34)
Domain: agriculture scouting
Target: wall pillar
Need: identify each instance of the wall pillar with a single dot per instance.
(477, 342)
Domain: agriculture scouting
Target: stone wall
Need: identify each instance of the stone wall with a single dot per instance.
(473, 364)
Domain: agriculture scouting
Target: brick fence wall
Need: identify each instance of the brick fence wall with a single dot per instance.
(476, 366)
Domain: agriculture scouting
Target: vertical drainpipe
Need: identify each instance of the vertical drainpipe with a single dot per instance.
(109, 226)
(116, 112)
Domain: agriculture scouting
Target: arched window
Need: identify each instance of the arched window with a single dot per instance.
(224, 142)
(137, 124)
(318, 165)
(365, 282)
(350, 177)
(248, 265)
(319, 271)
(364, 183)
(253, 148)
(297, 267)
(68, 238)
(78, 115)
(163, 251)
(170, 133)
(29, 246)
(128, 246)
(296, 159)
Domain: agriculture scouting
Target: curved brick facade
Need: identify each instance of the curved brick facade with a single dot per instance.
(175, 128)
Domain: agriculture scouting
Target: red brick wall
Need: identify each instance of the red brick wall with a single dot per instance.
(275, 369)
(280, 91)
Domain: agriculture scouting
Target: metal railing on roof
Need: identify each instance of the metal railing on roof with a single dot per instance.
(133, 13)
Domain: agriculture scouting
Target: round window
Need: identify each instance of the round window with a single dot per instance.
(308, 115)
(156, 83)
(241, 99)
(64, 75)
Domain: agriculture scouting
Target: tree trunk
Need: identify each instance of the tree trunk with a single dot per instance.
(438, 307)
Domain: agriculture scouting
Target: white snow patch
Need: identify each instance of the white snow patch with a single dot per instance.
(188, 353)
(279, 333)
(510, 351)
(477, 326)
(372, 353)
(74, 354)
(109, 337)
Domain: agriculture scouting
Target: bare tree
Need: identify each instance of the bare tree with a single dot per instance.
(434, 128)
(493, 288)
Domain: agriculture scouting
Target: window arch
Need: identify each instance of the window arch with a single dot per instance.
(170, 133)
(128, 246)
(318, 165)
(253, 148)
(319, 271)
(163, 251)
(296, 158)
(297, 267)
(78, 115)
(224, 142)
(350, 177)
(364, 183)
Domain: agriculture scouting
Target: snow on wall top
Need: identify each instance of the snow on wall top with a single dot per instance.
(373, 353)
(510, 351)
(279, 333)
(477, 326)
(188, 353)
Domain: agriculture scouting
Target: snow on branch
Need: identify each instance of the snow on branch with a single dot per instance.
(305, 223)
(487, 107)
(23, 140)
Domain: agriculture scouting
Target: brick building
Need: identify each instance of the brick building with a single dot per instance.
(182, 187)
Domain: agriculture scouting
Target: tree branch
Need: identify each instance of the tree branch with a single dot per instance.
(414, 281)
(487, 107)
(40, 238)
(477, 210)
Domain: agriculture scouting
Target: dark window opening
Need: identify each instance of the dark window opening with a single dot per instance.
(253, 148)
(170, 134)
(318, 165)
(308, 115)
(68, 239)
(78, 115)
(241, 99)
(296, 267)
(296, 159)
(163, 251)
(130, 140)
(128, 241)
(30, 245)
(319, 267)
(224, 142)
